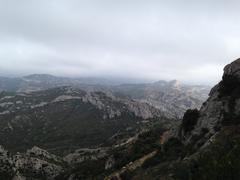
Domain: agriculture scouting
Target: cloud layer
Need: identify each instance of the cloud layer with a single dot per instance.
(186, 40)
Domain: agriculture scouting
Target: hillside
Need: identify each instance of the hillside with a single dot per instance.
(66, 118)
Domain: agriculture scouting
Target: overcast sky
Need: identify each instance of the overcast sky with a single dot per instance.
(142, 39)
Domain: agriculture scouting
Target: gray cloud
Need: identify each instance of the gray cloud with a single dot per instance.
(186, 40)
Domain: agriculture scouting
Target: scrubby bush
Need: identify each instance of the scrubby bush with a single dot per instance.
(219, 161)
(127, 175)
(146, 143)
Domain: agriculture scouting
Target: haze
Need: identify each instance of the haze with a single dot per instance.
(133, 39)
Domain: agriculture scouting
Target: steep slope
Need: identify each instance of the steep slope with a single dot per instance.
(99, 163)
(64, 119)
(222, 107)
(207, 143)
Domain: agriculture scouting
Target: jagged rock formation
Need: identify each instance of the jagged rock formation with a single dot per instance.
(205, 140)
(222, 107)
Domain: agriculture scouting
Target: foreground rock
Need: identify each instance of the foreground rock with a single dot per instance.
(35, 164)
(221, 109)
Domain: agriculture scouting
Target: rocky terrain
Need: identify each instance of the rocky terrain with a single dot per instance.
(204, 145)
(34, 164)
(85, 163)
(65, 118)
(222, 107)
(171, 97)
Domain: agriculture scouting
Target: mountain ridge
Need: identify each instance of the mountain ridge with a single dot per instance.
(170, 97)
(68, 114)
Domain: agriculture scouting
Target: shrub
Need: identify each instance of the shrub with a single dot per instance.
(190, 119)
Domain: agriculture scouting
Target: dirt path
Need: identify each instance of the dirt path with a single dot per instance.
(131, 166)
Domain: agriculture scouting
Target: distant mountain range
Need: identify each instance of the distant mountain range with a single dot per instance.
(171, 97)
(36, 82)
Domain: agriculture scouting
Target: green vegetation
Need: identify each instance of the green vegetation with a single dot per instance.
(219, 161)
(190, 119)
(87, 170)
(62, 127)
(146, 143)
(171, 150)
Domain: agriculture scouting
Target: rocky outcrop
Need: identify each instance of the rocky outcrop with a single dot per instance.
(233, 69)
(221, 109)
(41, 153)
(35, 164)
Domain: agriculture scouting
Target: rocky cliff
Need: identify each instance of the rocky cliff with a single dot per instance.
(221, 109)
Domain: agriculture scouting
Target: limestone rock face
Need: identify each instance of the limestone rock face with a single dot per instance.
(233, 68)
(222, 107)
(82, 155)
(38, 152)
(36, 163)
(172, 98)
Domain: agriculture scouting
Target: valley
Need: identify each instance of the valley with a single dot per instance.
(70, 133)
(57, 127)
